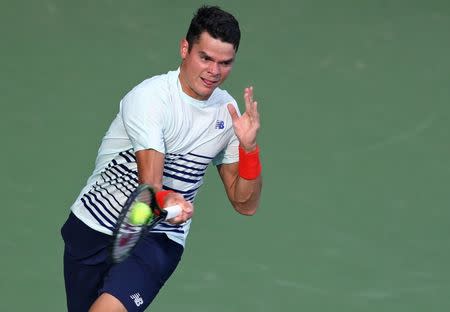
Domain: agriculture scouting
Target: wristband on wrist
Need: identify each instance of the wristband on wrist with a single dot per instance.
(161, 197)
(249, 164)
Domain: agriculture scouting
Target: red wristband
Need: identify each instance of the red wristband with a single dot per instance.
(161, 197)
(249, 164)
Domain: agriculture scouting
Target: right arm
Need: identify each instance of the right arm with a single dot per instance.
(150, 165)
(144, 119)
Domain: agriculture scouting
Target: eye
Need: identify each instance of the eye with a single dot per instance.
(226, 63)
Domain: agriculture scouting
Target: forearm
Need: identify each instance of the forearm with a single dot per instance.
(243, 180)
(150, 165)
(246, 195)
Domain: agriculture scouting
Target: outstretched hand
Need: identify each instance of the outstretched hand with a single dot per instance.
(247, 125)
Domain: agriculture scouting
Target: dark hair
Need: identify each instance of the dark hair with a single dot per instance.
(218, 23)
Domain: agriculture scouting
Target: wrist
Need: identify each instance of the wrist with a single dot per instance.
(249, 163)
(161, 197)
(249, 148)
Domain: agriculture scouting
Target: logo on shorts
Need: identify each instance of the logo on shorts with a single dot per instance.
(220, 124)
(137, 299)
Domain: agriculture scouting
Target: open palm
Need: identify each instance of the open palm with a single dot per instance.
(247, 125)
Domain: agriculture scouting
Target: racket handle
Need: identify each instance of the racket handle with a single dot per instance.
(172, 211)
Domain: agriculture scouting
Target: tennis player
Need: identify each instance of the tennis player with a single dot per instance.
(168, 130)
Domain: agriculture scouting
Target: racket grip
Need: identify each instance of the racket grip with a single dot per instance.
(172, 211)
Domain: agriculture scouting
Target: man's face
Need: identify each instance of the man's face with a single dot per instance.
(206, 66)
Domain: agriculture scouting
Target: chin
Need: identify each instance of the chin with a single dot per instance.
(205, 94)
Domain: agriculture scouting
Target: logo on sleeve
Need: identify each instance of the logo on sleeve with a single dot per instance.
(220, 124)
(137, 299)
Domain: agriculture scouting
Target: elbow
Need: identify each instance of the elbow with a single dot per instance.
(248, 213)
(245, 210)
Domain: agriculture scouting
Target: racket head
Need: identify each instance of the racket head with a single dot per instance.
(126, 234)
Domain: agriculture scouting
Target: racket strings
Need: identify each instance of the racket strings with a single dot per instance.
(127, 234)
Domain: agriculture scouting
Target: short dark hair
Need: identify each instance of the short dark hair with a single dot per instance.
(218, 23)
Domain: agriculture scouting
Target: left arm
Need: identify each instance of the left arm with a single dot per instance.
(242, 180)
(243, 194)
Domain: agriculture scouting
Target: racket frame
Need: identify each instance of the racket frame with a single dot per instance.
(157, 216)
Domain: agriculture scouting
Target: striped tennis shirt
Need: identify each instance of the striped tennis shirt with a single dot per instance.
(158, 115)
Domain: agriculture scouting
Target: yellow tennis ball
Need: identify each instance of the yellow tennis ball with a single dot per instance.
(140, 213)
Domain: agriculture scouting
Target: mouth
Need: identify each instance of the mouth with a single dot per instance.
(209, 83)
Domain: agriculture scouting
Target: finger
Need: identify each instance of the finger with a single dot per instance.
(233, 112)
(251, 108)
(255, 113)
(248, 97)
(186, 213)
(178, 219)
(250, 93)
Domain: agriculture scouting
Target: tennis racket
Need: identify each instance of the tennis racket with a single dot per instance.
(126, 234)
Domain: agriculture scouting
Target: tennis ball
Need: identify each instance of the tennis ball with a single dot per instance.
(140, 213)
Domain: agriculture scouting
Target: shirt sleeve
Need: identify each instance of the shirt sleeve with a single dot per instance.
(230, 154)
(143, 116)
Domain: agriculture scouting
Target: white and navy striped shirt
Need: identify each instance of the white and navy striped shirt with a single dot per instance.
(158, 115)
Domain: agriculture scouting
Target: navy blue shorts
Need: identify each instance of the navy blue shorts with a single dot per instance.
(89, 271)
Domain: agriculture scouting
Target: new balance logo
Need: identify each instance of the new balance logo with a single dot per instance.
(220, 124)
(137, 299)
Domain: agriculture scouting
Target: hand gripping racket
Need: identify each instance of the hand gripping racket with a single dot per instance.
(127, 234)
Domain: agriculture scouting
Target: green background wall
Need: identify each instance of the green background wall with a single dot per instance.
(354, 100)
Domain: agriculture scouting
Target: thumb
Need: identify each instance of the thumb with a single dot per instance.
(233, 113)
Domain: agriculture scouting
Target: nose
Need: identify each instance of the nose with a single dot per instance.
(214, 68)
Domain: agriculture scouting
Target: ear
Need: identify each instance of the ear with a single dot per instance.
(184, 48)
